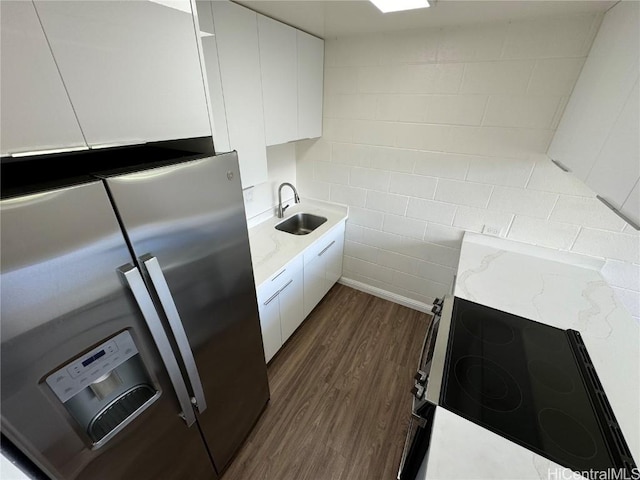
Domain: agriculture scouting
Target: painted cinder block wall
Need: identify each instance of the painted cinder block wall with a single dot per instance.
(430, 133)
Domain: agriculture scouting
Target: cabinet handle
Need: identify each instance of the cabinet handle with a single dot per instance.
(327, 247)
(284, 270)
(560, 166)
(618, 212)
(271, 298)
(288, 283)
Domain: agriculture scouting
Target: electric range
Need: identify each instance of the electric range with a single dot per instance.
(531, 383)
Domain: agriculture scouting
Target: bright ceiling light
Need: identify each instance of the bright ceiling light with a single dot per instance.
(386, 6)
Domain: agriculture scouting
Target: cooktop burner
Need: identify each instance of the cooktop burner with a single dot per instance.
(486, 328)
(485, 380)
(567, 433)
(525, 381)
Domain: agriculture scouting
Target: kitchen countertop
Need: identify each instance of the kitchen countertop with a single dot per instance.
(556, 288)
(272, 249)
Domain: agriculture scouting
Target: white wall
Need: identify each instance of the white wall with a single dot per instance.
(261, 200)
(431, 133)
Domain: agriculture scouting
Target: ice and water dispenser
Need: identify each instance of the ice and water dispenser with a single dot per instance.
(106, 388)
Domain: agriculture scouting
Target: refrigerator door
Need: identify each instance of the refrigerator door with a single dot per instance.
(187, 228)
(72, 305)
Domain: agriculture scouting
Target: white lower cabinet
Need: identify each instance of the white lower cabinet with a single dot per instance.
(322, 266)
(280, 306)
(291, 306)
(269, 309)
(287, 297)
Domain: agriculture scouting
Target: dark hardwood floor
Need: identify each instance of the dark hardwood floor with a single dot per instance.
(340, 401)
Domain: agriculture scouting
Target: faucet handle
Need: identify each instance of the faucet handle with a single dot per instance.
(284, 208)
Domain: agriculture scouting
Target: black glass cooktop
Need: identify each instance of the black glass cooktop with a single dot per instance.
(533, 384)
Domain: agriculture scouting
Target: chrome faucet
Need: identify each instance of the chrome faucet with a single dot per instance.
(281, 209)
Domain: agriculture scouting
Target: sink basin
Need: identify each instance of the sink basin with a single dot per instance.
(301, 224)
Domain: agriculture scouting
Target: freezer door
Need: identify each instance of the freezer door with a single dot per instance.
(187, 227)
(69, 299)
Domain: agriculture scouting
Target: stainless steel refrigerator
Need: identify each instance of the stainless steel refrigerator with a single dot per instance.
(131, 343)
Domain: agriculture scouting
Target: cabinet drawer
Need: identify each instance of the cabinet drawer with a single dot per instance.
(323, 244)
(278, 280)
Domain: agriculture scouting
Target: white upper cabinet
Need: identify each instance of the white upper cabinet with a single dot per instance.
(214, 81)
(131, 68)
(617, 166)
(36, 112)
(597, 138)
(310, 84)
(264, 80)
(279, 72)
(631, 207)
(239, 57)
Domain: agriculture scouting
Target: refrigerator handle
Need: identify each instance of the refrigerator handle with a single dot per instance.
(133, 279)
(159, 282)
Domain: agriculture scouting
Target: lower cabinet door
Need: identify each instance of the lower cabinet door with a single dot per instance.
(291, 305)
(314, 283)
(333, 258)
(269, 309)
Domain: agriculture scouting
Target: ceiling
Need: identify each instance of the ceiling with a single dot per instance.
(338, 18)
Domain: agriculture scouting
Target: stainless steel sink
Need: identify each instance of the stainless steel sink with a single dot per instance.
(301, 224)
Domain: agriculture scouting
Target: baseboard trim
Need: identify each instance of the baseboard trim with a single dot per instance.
(392, 297)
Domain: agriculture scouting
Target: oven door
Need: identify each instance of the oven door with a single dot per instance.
(417, 442)
(426, 390)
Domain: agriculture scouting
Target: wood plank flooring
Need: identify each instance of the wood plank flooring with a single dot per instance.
(340, 401)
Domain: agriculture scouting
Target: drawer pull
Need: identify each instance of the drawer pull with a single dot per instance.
(283, 270)
(327, 247)
(287, 284)
(271, 298)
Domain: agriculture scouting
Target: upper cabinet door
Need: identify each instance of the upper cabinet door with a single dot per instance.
(214, 82)
(36, 113)
(601, 92)
(617, 166)
(279, 69)
(310, 85)
(631, 207)
(131, 68)
(238, 53)
(597, 138)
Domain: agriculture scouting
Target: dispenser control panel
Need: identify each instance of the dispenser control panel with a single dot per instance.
(79, 374)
